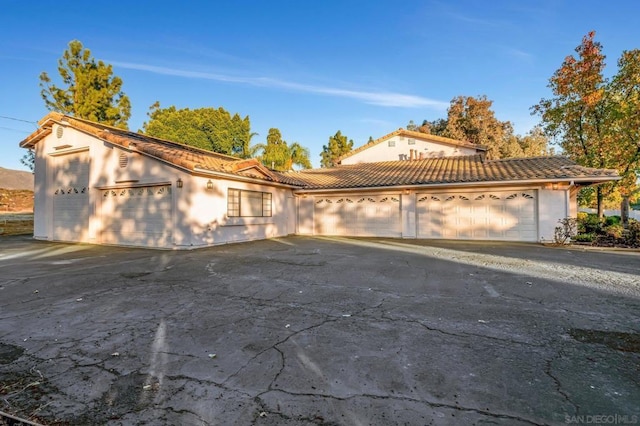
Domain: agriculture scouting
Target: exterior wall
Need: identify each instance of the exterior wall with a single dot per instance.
(202, 214)
(553, 205)
(305, 216)
(199, 216)
(40, 200)
(402, 150)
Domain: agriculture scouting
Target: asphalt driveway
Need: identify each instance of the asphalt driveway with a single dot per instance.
(334, 331)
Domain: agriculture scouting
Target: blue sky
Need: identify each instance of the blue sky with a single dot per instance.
(308, 68)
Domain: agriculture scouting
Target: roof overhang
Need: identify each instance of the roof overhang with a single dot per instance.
(586, 181)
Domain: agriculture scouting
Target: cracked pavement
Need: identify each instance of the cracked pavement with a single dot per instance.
(308, 331)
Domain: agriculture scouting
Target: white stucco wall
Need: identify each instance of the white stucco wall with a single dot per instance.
(202, 214)
(199, 215)
(402, 150)
(553, 205)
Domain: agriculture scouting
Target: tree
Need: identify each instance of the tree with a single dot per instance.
(338, 146)
(278, 155)
(596, 120)
(29, 159)
(90, 91)
(207, 128)
(471, 119)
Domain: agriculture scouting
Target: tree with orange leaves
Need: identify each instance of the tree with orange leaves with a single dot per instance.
(596, 120)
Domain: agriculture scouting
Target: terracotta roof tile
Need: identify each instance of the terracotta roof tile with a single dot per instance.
(449, 170)
(179, 154)
(440, 170)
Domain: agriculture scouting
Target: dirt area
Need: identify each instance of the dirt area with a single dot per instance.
(16, 212)
(16, 223)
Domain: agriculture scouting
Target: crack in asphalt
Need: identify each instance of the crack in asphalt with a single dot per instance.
(401, 398)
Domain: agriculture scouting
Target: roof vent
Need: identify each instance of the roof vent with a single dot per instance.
(123, 160)
(59, 131)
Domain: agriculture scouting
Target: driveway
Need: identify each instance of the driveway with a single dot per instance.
(306, 331)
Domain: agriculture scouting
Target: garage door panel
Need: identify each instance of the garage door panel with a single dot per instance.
(495, 215)
(70, 207)
(357, 215)
(137, 216)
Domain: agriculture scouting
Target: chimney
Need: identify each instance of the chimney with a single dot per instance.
(411, 155)
(422, 155)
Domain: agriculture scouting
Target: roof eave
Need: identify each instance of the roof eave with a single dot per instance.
(399, 187)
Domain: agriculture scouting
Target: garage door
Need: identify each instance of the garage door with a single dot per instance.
(496, 215)
(358, 215)
(139, 216)
(70, 218)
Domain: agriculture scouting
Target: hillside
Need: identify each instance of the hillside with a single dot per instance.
(16, 200)
(15, 179)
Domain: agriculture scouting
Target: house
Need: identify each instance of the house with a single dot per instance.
(100, 184)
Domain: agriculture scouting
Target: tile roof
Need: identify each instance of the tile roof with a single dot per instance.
(429, 171)
(182, 155)
(415, 135)
(450, 170)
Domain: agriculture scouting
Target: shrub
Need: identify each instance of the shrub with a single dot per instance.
(612, 220)
(633, 234)
(584, 238)
(589, 223)
(614, 231)
(566, 231)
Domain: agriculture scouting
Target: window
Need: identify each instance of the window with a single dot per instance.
(392, 143)
(412, 141)
(242, 203)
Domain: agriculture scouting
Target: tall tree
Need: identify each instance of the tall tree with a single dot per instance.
(207, 128)
(471, 119)
(278, 155)
(338, 146)
(89, 91)
(596, 120)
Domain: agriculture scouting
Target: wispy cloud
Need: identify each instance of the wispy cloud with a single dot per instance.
(389, 99)
(520, 54)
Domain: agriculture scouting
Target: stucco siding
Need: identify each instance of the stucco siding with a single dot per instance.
(553, 205)
(399, 148)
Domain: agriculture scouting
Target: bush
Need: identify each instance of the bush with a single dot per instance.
(584, 238)
(566, 231)
(633, 235)
(614, 231)
(589, 223)
(612, 220)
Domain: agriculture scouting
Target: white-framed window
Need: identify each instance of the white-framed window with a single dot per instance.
(392, 142)
(412, 141)
(241, 203)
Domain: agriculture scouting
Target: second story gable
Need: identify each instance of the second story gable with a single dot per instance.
(409, 145)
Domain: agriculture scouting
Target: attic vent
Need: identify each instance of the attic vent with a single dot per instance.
(124, 160)
(59, 132)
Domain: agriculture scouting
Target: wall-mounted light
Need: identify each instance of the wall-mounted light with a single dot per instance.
(179, 183)
(406, 192)
(554, 186)
(209, 184)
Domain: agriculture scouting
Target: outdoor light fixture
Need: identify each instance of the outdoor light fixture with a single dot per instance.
(554, 186)
(406, 191)
(209, 184)
(179, 183)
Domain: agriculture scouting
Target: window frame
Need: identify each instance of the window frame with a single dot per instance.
(235, 203)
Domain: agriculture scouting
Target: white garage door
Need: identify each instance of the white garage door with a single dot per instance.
(139, 216)
(70, 218)
(495, 215)
(358, 215)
